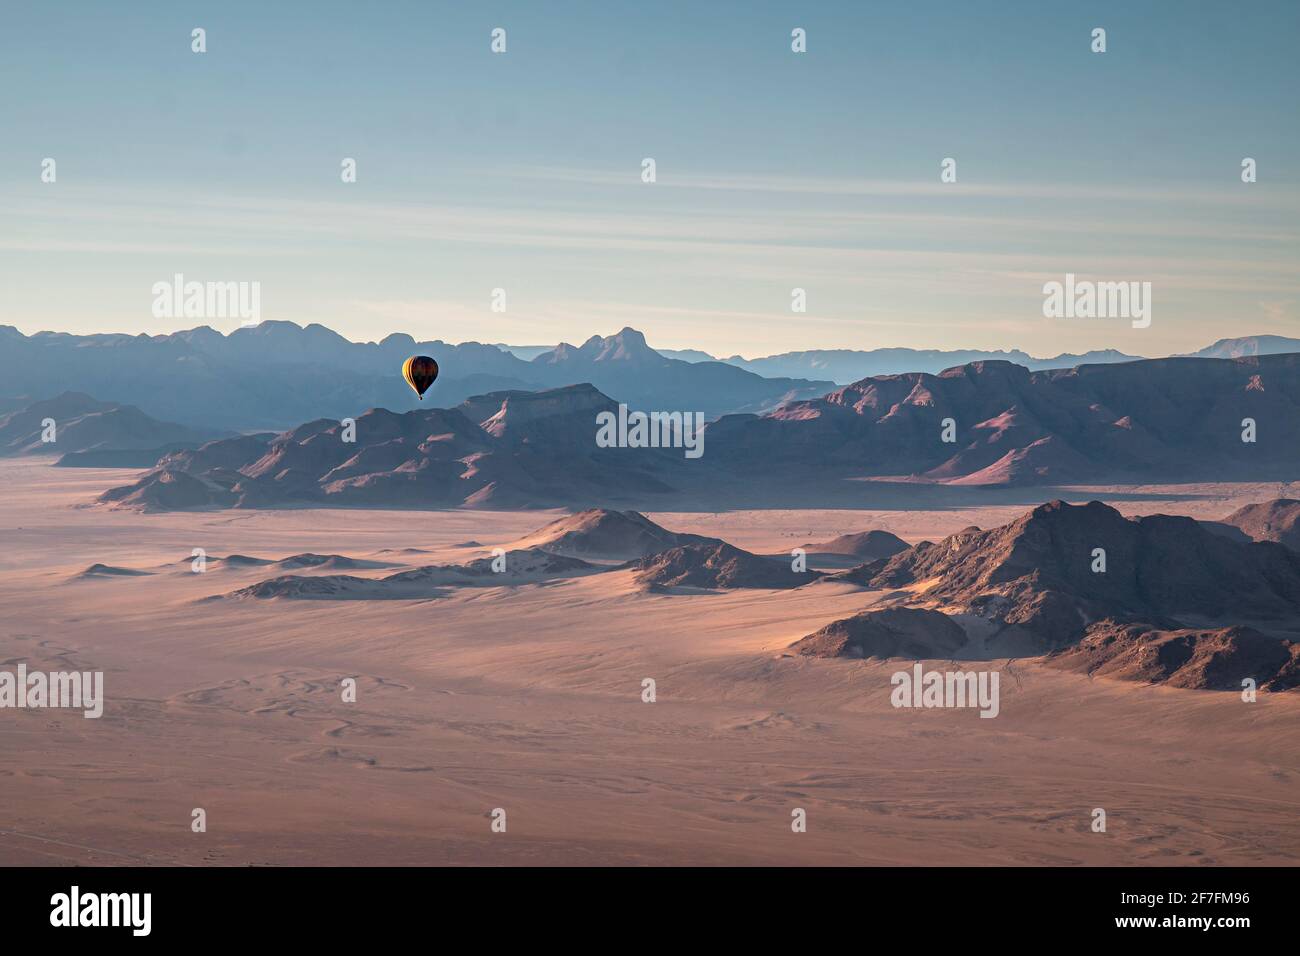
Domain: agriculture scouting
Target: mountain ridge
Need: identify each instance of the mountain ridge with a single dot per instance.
(276, 374)
(1009, 427)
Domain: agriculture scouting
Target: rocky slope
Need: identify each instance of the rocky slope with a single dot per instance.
(1174, 418)
(1202, 659)
(90, 428)
(502, 450)
(716, 565)
(1277, 520)
(601, 533)
(890, 632)
(1156, 595)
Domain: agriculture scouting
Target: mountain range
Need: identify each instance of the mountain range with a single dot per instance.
(983, 424)
(277, 374)
(995, 423)
(511, 449)
(844, 366)
(87, 431)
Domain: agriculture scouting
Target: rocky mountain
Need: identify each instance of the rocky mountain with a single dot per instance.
(615, 535)
(625, 367)
(890, 632)
(277, 374)
(504, 450)
(1250, 345)
(716, 565)
(1136, 597)
(1170, 419)
(1277, 520)
(1174, 418)
(1213, 659)
(93, 432)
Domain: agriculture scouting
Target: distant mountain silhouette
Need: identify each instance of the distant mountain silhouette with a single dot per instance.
(1249, 345)
(626, 368)
(277, 374)
(844, 366)
(85, 428)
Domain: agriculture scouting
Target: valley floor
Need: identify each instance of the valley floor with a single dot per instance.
(529, 699)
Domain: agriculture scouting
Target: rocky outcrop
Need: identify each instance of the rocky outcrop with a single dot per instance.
(890, 632)
(716, 565)
(1277, 520)
(601, 533)
(1156, 598)
(1203, 659)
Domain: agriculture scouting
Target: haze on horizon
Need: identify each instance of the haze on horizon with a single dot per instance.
(775, 170)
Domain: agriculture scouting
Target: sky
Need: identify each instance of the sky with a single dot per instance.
(775, 170)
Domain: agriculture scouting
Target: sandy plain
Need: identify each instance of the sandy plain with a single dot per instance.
(529, 699)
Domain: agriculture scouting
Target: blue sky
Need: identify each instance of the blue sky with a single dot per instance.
(775, 170)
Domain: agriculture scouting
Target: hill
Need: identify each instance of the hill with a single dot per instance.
(85, 428)
(600, 533)
(716, 565)
(868, 545)
(1158, 597)
(1277, 520)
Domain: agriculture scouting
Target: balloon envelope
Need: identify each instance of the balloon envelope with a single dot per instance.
(419, 372)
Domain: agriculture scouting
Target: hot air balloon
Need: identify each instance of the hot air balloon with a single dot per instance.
(419, 372)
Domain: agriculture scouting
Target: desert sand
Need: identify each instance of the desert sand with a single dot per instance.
(529, 699)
